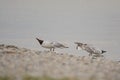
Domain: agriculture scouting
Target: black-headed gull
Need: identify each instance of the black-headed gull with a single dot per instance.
(90, 49)
(51, 45)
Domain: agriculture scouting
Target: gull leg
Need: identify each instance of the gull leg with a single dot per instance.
(53, 49)
(77, 47)
(90, 54)
(50, 49)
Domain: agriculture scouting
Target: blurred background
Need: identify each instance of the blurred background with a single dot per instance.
(95, 22)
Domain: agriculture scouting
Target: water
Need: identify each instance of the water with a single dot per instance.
(67, 21)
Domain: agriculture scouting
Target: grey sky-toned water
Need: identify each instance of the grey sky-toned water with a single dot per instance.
(95, 22)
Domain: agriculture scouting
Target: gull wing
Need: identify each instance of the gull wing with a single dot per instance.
(58, 45)
(93, 49)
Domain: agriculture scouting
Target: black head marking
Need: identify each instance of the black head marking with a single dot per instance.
(80, 44)
(40, 41)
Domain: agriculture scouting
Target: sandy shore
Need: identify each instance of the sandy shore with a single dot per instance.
(18, 62)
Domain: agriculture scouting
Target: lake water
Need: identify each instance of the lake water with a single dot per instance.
(94, 22)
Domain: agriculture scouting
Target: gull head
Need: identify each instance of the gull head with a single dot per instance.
(78, 45)
(40, 41)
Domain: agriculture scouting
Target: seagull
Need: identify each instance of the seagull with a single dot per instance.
(51, 45)
(90, 49)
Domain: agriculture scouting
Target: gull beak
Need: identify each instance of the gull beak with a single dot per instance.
(77, 47)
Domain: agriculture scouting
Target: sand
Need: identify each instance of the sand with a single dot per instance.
(17, 62)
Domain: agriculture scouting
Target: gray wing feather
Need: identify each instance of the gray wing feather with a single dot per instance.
(58, 45)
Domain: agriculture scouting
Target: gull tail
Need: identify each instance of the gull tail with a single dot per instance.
(103, 51)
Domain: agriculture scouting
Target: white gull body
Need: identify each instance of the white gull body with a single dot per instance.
(51, 45)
